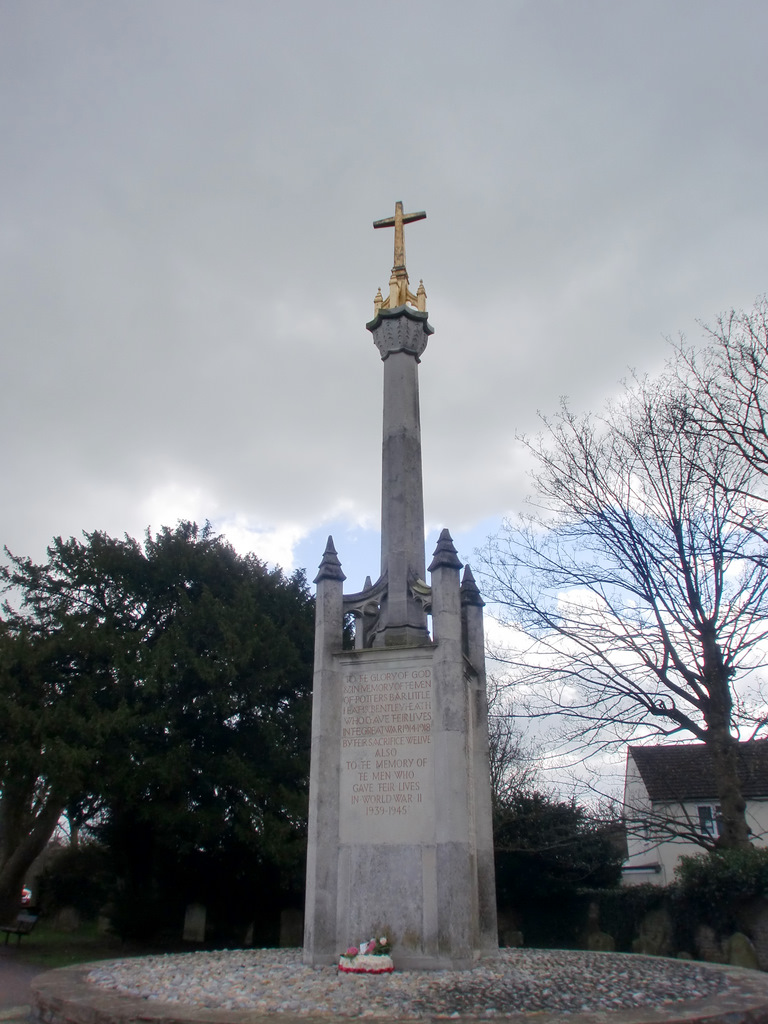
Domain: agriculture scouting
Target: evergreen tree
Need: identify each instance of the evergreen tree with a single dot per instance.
(198, 662)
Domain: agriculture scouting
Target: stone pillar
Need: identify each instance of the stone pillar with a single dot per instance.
(401, 336)
(455, 869)
(322, 848)
(473, 645)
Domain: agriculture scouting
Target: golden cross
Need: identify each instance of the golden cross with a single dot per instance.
(397, 222)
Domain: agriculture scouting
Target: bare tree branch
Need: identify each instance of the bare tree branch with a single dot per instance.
(638, 582)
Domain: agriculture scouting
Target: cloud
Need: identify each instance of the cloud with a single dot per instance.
(187, 261)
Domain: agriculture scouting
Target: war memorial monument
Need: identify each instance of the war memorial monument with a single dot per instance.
(400, 834)
(400, 839)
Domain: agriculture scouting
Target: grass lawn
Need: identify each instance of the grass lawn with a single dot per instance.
(47, 947)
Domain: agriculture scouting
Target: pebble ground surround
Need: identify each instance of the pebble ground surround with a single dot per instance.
(524, 986)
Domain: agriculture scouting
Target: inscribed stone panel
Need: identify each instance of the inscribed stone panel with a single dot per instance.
(387, 760)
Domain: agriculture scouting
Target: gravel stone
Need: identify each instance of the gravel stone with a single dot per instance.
(520, 980)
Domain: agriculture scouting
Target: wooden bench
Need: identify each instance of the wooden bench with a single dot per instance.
(23, 926)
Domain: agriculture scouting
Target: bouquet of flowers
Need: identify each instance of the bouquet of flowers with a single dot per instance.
(370, 957)
(374, 947)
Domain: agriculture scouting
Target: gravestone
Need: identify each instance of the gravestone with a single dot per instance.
(739, 951)
(67, 920)
(291, 928)
(400, 836)
(194, 923)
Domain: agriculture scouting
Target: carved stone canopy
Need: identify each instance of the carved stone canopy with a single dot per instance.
(403, 329)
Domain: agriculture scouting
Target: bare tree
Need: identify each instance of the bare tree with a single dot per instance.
(730, 380)
(727, 383)
(514, 763)
(635, 584)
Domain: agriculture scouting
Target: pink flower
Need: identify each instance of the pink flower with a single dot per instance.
(352, 951)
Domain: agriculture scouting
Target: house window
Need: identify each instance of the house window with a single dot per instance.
(710, 820)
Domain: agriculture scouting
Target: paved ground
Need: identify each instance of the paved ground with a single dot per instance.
(15, 979)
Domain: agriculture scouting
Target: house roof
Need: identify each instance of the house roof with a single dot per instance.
(686, 772)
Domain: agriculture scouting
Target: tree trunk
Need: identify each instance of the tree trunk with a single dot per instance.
(724, 750)
(723, 747)
(20, 849)
(10, 895)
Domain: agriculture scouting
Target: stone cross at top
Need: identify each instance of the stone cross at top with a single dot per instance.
(397, 223)
(399, 293)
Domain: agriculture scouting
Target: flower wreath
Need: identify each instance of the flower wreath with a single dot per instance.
(375, 949)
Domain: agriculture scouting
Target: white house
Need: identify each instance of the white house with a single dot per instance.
(670, 798)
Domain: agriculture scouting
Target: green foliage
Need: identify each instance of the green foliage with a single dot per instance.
(59, 709)
(187, 727)
(713, 887)
(547, 849)
(623, 909)
(725, 875)
(79, 877)
(141, 915)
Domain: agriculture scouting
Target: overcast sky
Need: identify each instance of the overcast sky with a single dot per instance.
(188, 260)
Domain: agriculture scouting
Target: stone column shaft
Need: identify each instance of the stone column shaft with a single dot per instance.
(401, 336)
(402, 496)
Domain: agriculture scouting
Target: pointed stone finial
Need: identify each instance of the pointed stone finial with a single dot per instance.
(330, 567)
(421, 297)
(445, 556)
(367, 585)
(469, 591)
(377, 301)
(394, 291)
